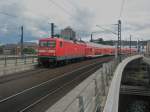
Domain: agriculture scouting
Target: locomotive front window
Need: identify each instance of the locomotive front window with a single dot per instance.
(51, 44)
(43, 44)
(48, 44)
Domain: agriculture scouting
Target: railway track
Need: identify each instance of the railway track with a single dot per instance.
(15, 76)
(28, 99)
(16, 83)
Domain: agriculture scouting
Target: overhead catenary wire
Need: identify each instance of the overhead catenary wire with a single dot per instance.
(68, 4)
(64, 10)
(15, 16)
(121, 9)
(7, 14)
(44, 18)
(59, 6)
(107, 30)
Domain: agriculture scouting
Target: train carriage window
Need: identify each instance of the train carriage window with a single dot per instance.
(61, 44)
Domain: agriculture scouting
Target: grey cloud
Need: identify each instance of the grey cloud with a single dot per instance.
(13, 18)
(82, 19)
(136, 27)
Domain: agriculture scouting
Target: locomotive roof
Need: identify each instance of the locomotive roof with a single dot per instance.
(56, 38)
(49, 38)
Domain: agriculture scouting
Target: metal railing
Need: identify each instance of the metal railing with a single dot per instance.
(13, 64)
(17, 60)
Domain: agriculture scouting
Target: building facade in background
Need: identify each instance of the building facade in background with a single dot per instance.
(10, 49)
(68, 34)
(14, 49)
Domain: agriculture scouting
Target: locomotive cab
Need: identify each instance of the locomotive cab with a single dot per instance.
(47, 48)
(47, 51)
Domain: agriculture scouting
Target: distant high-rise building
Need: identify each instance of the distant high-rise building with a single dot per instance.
(148, 48)
(68, 33)
(1, 49)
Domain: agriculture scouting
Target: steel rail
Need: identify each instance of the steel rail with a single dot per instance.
(70, 82)
(5, 99)
(7, 78)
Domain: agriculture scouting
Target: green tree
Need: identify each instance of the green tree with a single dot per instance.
(1, 49)
(29, 51)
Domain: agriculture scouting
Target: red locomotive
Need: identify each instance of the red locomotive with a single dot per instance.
(53, 50)
(56, 50)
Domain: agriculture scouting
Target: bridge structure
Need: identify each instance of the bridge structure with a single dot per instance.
(103, 91)
(111, 88)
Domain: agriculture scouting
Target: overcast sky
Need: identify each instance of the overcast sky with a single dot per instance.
(81, 15)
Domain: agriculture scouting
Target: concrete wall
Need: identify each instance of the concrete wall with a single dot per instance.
(90, 95)
(147, 60)
(98, 93)
(114, 90)
(14, 69)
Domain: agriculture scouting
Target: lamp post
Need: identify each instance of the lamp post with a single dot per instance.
(119, 37)
(52, 30)
(119, 40)
(130, 45)
(21, 41)
(91, 37)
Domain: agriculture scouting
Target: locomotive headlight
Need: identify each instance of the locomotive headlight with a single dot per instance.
(48, 51)
(41, 51)
(51, 51)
